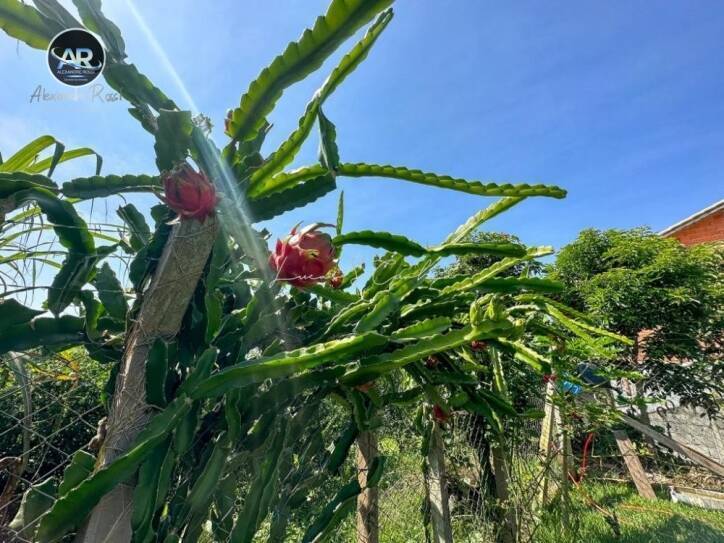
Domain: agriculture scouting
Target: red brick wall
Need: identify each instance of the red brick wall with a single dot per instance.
(710, 228)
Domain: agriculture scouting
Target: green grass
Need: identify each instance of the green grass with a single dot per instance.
(641, 521)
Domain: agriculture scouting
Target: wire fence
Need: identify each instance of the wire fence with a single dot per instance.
(50, 407)
(54, 406)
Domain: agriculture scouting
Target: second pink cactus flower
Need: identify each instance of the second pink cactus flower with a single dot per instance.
(304, 257)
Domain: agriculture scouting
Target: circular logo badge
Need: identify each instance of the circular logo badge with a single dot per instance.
(76, 57)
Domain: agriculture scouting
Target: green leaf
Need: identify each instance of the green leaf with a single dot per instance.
(73, 234)
(110, 292)
(478, 279)
(51, 9)
(373, 367)
(213, 303)
(447, 182)
(36, 501)
(448, 306)
(381, 240)
(299, 59)
(93, 310)
(493, 210)
(577, 326)
(72, 231)
(145, 496)
(289, 362)
(94, 20)
(139, 233)
(25, 158)
(375, 471)
(340, 214)
(256, 506)
(505, 284)
(25, 23)
(80, 467)
(342, 445)
(425, 328)
(48, 164)
(201, 492)
(101, 186)
(469, 226)
(261, 180)
(13, 312)
(333, 294)
(70, 510)
(351, 276)
(328, 152)
(383, 305)
(136, 87)
(524, 353)
(263, 209)
(495, 249)
(42, 331)
(341, 504)
(77, 269)
(285, 181)
(156, 369)
(146, 260)
(173, 138)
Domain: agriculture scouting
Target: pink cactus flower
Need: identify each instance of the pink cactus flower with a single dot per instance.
(189, 193)
(304, 257)
(365, 387)
(336, 279)
(439, 414)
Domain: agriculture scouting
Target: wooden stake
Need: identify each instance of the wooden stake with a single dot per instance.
(502, 491)
(635, 469)
(164, 304)
(437, 489)
(545, 445)
(368, 500)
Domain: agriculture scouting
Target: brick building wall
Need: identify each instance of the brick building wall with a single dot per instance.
(703, 227)
(687, 425)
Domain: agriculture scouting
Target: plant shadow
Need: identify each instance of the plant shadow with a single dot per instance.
(674, 530)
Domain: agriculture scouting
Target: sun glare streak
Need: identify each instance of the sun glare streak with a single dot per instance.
(234, 211)
(162, 56)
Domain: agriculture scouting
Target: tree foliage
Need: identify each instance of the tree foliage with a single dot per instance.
(656, 291)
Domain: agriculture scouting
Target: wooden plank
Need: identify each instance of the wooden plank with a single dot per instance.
(635, 469)
(437, 489)
(691, 454)
(545, 446)
(548, 426)
(368, 512)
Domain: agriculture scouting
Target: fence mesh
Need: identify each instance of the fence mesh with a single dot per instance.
(54, 406)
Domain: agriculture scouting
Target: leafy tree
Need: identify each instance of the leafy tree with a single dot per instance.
(664, 295)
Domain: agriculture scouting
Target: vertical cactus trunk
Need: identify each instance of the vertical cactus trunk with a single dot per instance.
(368, 510)
(164, 304)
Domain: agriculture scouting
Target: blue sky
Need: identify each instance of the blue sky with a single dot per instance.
(619, 102)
